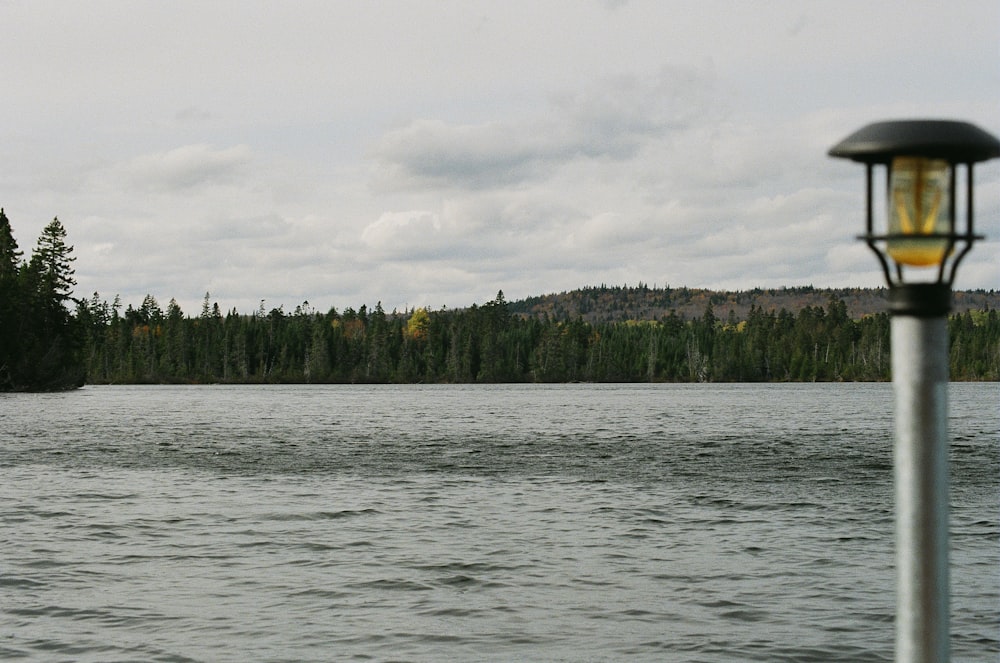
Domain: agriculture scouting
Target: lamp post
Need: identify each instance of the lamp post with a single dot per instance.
(921, 159)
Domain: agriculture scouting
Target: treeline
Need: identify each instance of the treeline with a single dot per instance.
(490, 343)
(49, 340)
(41, 348)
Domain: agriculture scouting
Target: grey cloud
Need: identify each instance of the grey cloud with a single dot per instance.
(242, 228)
(470, 156)
(186, 167)
(192, 114)
(616, 116)
(612, 120)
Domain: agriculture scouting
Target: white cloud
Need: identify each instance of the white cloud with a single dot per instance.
(407, 235)
(186, 167)
(847, 258)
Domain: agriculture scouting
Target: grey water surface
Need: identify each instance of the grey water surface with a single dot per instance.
(475, 523)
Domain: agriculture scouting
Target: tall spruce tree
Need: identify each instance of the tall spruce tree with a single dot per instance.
(55, 262)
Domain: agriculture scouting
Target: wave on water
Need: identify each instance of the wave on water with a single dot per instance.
(583, 522)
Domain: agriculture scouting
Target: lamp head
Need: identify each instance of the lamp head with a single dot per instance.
(921, 159)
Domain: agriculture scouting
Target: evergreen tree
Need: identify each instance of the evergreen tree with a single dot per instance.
(10, 258)
(41, 344)
(55, 261)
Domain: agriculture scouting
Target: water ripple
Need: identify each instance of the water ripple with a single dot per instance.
(583, 522)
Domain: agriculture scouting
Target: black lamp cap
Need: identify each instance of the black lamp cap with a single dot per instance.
(953, 141)
(920, 300)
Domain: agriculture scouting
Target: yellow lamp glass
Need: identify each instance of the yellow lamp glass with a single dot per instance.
(919, 205)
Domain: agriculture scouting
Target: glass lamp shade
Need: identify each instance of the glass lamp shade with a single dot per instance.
(919, 211)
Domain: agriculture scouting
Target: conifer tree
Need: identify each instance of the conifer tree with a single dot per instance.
(10, 256)
(9, 299)
(40, 344)
(55, 261)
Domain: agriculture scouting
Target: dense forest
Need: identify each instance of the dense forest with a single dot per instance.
(490, 343)
(605, 334)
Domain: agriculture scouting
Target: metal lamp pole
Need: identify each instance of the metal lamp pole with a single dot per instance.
(921, 158)
(919, 337)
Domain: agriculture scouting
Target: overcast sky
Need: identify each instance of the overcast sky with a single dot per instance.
(431, 153)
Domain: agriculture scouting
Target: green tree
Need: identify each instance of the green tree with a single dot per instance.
(55, 261)
(42, 346)
(10, 258)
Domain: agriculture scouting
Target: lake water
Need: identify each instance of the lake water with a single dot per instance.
(475, 523)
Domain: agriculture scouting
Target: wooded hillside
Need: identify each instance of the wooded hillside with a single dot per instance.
(619, 303)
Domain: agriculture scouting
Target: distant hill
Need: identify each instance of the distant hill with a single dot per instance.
(616, 303)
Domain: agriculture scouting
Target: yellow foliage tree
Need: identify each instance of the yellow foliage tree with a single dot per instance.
(418, 323)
